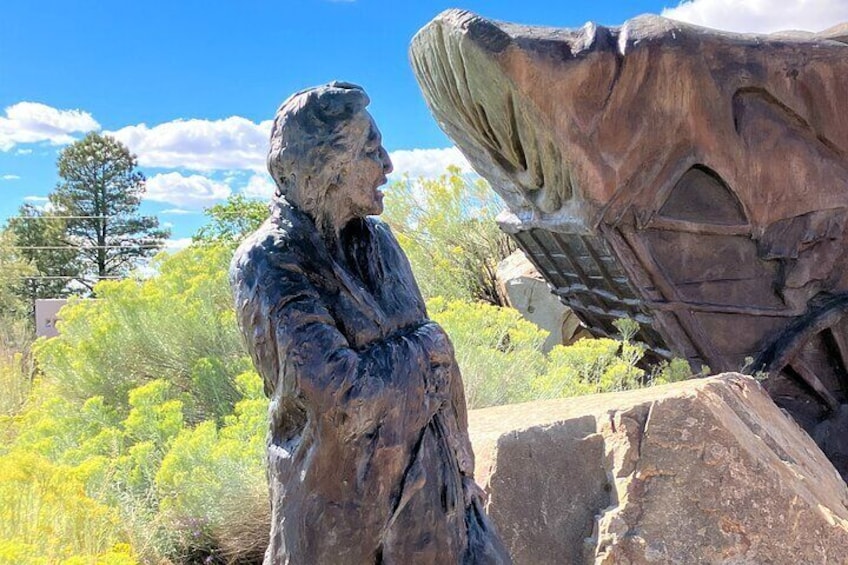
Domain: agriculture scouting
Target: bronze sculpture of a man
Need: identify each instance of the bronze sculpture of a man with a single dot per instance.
(369, 459)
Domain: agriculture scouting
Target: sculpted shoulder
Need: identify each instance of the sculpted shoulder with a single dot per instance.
(269, 244)
(381, 228)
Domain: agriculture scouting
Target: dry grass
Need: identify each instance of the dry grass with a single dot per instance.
(244, 537)
(16, 366)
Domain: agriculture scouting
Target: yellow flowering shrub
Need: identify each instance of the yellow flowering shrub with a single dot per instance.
(47, 517)
(447, 228)
(144, 438)
(497, 350)
(178, 325)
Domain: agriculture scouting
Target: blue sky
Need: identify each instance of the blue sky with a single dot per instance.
(190, 85)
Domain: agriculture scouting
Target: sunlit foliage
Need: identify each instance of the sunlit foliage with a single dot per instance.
(498, 351)
(178, 326)
(447, 228)
(142, 439)
(232, 220)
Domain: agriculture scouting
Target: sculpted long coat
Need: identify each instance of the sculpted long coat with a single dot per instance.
(368, 453)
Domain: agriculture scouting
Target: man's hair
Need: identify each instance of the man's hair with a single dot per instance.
(308, 142)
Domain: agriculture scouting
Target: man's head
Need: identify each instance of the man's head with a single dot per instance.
(326, 155)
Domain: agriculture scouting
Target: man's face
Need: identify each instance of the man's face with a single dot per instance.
(366, 172)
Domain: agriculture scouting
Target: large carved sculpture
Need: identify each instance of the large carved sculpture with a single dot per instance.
(368, 453)
(693, 180)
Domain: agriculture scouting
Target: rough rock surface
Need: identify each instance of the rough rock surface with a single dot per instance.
(704, 471)
(527, 292)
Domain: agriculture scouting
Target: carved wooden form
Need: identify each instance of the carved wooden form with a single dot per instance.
(369, 459)
(694, 180)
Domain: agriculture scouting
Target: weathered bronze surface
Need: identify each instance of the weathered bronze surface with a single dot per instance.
(694, 180)
(368, 453)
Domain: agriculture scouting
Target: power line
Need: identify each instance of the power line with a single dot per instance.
(52, 217)
(69, 277)
(64, 217)
(81, 247)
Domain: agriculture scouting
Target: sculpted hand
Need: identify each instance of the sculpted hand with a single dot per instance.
(437, 385)
(437, 381)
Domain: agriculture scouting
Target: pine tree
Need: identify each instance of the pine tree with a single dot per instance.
(99, 193)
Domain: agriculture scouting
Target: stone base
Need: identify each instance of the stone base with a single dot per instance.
(704, 471)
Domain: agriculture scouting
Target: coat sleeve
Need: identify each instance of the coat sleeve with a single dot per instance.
(443, 367)
(300, 353)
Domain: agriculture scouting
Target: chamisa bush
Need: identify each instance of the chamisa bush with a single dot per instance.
(16, 367)
(142, 438)
(502, 362)
(446, 227)
(178, 325)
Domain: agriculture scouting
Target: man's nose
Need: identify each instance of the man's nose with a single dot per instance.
(387, 162)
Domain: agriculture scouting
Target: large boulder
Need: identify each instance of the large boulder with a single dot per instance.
(526, 291)
(704, 471)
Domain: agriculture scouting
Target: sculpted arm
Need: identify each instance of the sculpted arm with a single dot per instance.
(301, 353)
(444, 374)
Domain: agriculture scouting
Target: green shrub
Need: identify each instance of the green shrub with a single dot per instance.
(16, 365)
(497, 350)
(447, 229)
(45, 517)
(501, 359)
(133, 380)
(16, 375)
(178, 326)
(675, 371)
(169, 490)
(213, 479)
(591, 366)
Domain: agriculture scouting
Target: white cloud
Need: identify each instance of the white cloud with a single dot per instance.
(178, 211)
(200, 145)
(10, 177)
(32, 122)
(41, 203)
(177, 244)
(426, 162)
(237, 144)
(259, 186)
(191, 192)
(23, 151)
(761, 16)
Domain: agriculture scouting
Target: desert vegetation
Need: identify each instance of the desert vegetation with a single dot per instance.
(137, 435)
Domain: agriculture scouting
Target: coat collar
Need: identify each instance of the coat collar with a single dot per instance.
(302, 233)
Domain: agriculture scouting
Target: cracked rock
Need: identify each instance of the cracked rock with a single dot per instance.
(704, 471)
